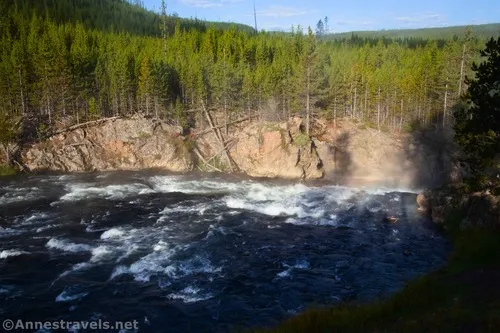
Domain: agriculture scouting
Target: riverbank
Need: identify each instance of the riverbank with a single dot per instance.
(6, 170)
(343, 151)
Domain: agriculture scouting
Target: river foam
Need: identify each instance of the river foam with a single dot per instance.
(188, 251)
(67, 246)
(11, 253)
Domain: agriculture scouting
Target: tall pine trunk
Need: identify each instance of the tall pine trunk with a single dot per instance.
(378, 110)
(22, 93)
(308, 97)
(461, 71)
(445, 105)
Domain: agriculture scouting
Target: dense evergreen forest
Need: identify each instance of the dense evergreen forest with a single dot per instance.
(481, 31)
(110, 15)
(78, 61)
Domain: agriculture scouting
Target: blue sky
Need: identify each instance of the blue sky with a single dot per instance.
(346, 15)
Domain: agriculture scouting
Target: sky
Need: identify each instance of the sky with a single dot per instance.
(346, 15)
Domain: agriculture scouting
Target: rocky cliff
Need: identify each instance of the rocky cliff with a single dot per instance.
(121, 144)
(271, 150)
(344, 152)
(354, 154)
(451, 204)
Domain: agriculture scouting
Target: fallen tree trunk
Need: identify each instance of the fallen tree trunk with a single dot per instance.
(88, 123)
(22, 168)
(220, 126)
(219, 137)
(197, 152)
(229, 143)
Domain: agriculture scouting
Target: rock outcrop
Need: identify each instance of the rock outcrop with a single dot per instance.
(478, 210)
(268, 150)
(121, 144)
(353, 154)
(281, 151)
(346, 154)
(259, 149)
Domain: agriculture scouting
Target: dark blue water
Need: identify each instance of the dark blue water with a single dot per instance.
(194, 254)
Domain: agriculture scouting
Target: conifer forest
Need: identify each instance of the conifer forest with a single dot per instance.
(109, 57)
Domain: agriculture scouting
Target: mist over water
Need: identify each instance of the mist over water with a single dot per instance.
(184, 253)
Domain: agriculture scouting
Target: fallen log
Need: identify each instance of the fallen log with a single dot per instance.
(88, 123)
(229, 143)
(22, 168)
(197, 152)
(219, 137)
(220, 126)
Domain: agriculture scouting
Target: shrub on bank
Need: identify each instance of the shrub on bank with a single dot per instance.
(7, 170)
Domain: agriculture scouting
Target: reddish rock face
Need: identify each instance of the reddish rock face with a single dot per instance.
(121, 144)
(345, 153)
(270, 151)
(260, 150)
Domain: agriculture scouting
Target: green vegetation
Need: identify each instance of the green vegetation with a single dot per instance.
(117, 16)
(142, 135)
(7, 170)
(216, 162)
(463, 296)
(8, 135)
(84, 60)
(478, 123)
(481, 31)
(301, 139)
(271, 127)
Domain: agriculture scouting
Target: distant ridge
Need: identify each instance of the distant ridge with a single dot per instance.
(482, 31)
(111, 16)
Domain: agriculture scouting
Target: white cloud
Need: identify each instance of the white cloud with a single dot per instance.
(423, 18)
(283, 11)
(354, 22)
(208, 3)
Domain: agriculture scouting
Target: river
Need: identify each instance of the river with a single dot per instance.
(201, 253)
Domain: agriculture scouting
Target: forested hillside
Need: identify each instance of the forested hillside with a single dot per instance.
(53, 68)
(481, 31)
(110, 15)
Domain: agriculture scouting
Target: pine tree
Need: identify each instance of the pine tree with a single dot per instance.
(309, 61)
(123, 60)
(478, 126)
(145, 86)
(320, 28)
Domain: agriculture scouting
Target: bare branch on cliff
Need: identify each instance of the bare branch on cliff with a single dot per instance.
(86, 124)
(197, 152)
(219, 137)
(21, 167)
(221, 126)
(229, 144)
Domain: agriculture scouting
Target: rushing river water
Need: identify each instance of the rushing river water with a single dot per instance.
(201, 253)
